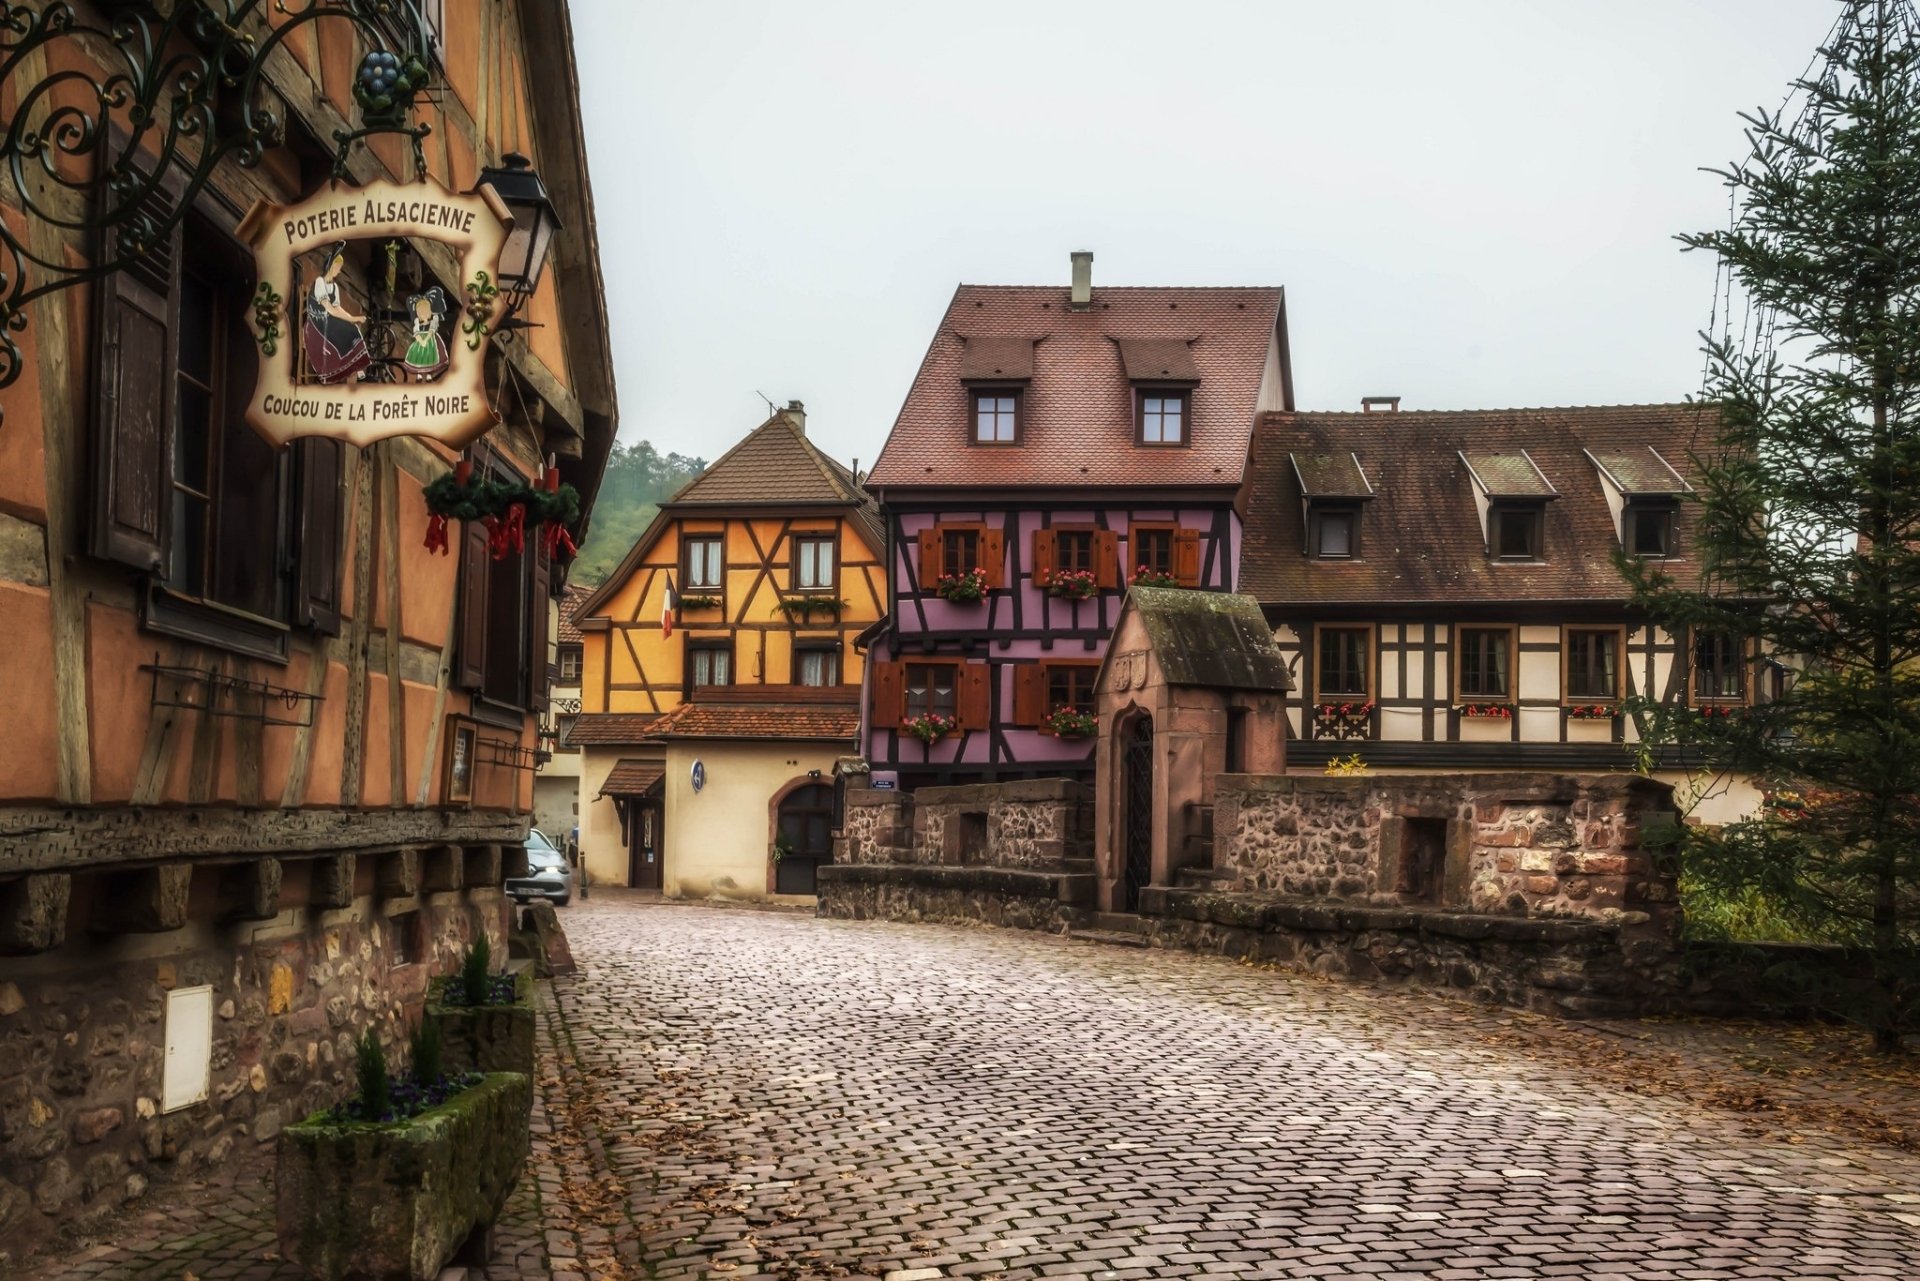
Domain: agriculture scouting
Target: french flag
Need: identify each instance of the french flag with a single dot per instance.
(666, 609)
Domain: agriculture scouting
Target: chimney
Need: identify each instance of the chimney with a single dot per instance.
(796, 413)
(1379, 404)
(1082, 296)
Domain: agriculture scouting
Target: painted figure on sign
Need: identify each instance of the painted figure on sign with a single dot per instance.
(427, 352)
(336, 349)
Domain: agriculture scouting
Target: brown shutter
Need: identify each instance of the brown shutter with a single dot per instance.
(1029, 694)
(322, 501)
(889, 694)
(930, 556)
(993, 556)
(136, 337)
(1186, 557)
(470, 670)
(1106, 558)
(1045, 555)
(971, 700)
(540, 591)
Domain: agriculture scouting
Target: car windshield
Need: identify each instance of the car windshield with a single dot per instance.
(545, 859)
(537, 840)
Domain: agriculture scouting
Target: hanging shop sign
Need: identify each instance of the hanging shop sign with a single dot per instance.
(353, 346)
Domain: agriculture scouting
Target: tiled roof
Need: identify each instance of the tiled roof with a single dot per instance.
(1641, 471)
(989, 357)
(1218, 640)
(1420, 537)
(1507, 475)
(1330, 475)
(775, 463)
(1077, 418)
(594, 729)
(575, 595)
(1158, 360)
(815, 721)
(629, 777)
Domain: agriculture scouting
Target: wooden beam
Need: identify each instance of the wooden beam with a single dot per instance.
(301, 765)
(331, 883)
(397, 874)
(442, 867)
(250, 891)
(483, 866)
(53, 839)
(146, 900)
(442, 677)
(204, 774)
(354, 751)
(33, 914)
(390, 565)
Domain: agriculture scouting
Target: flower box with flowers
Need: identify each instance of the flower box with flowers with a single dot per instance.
(1720, 711)
(1071, 584)
(930, 728)
(1068, 722)
(700, 601)
(1147, 576)
(969, 588)
(1592, 712)
(1487, 711)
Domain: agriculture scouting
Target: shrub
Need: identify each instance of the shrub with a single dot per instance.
(475, 969)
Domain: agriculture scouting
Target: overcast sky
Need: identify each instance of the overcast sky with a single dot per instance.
(1470, 204)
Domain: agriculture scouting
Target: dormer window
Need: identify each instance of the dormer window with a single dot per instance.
(1516, 532)
(1334, 533)
(996, 416)
(1644, 492)
(1163, 374)
(1163, 416)
(1333, 490)
(1650, 530)
(1511, 494)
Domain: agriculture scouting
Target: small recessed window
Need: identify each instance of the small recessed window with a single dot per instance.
(1651, 531)
(1073, 550)
(1516, 533)
(932, 689)
(813, 562)
(996, 417)
(710, 665)
(704, 562)
(570, 664)
(1719, 669)
(817, 665)
(1334, 533)
(1342, 670)
(960, 551)
(1151, 550)
(405, 930)
(1163, 417)
(1071, 685)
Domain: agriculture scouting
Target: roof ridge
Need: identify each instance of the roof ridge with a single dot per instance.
(1518, 409)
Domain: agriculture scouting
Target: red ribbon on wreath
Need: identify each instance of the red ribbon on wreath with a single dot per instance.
(553, 536)
(437, 534)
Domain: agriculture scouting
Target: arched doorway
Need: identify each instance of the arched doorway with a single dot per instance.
(1136, 818)
(802, 837)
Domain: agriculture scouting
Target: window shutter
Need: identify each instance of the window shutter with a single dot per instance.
(322, 500)
(930, 557)
(1045, 555)
(136, 337)
(993, 556)
(1106, 558)
(1029, 694)
(1186, 557)
(470, 669)
(971, 701)
(540, 591)
(889, 694)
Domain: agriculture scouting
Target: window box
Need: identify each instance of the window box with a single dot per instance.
(1147, 576)
(484, 1038)
(1071, 584)
(1068, 722)
(930, 728)
(969, 588)
(1486, 711)
(804, 607)
(1591, 712)
(367, 1198)
(698, 601)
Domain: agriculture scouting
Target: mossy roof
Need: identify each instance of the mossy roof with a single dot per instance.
(1210, 639)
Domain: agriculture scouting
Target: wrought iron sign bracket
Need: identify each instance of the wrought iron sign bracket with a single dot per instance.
(175, 95)
(219, 694)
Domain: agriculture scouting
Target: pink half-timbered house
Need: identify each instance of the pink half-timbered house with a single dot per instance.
(1057, 445)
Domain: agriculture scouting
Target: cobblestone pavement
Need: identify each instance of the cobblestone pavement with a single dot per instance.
(741, 1095)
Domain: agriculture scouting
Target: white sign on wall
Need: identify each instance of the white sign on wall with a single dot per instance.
(185, 1077)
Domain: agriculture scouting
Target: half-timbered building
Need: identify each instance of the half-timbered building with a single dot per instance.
(719, 680)
(1057, 445)
(266, 754)
(1445, 586)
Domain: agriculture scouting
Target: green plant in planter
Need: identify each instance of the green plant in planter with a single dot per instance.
(1069, 722)
(700, 601)
(484, 1021)
(370, 1069)
(426, 1051)
(475, 971)
(804, 607)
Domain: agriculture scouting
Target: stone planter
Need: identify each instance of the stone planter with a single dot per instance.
(484, 1038)
(395, 1202)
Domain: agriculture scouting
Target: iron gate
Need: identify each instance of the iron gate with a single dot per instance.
(1138, 773)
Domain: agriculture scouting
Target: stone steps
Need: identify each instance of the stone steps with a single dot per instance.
(1202, 878)
(1109, 938)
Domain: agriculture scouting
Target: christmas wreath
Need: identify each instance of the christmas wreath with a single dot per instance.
(505, 507)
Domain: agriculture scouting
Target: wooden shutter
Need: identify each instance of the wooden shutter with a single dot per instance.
(1186, 557)
(971, 701)
(1046, 545)
(1106, 558)
(540, 591)
(1029, 694)
(993, 556)
(322, 503)
(931, 555)
(136, 348)
(888, 706)
(470, 666)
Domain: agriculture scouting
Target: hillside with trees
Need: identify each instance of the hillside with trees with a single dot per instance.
(639, 478)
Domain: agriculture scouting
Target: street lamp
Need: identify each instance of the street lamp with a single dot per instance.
(524, 256)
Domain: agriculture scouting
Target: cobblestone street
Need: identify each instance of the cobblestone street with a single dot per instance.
(761, 1094)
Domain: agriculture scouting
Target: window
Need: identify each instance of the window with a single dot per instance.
(404, 929)
(704, 564)
(1486, 656)
(1335, 533)
(1163, 417)
(1593, 664)
(570, 658)
(960, 551)
(1342, 670)
(1151, 547)
(996, 417)
(412, 22)
(813, 562)
(1516, 533)
(709, 665)
(1073, 550)
(1650, 531)
(817, 665)
(1070, 685)
(932, 689)
(502, 653)
(1718, 671)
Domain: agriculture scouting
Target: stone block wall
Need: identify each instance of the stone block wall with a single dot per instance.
(1033, 824)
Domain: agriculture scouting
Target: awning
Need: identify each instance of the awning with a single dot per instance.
(633, 778)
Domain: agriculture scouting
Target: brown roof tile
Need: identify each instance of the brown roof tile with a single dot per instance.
(1077, 422)
(629, 777)
(595, 729)
(1330, 475)
(1509, 474)
(1149, 360)
(1420, 537)
(775, 463)
(1641, 471)
(570, 602)
(988, 358)
(807, 721)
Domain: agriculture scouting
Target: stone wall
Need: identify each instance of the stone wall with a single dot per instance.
(83, 1036)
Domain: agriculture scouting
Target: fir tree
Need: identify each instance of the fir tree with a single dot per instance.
(1809, 521)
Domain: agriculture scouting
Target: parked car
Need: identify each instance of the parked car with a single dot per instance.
(548, 876)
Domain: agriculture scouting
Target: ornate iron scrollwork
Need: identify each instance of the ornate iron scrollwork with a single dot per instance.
(179, 87)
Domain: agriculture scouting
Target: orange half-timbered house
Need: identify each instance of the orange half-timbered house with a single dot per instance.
(724, 640)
